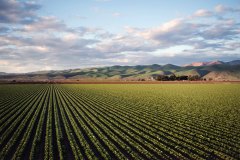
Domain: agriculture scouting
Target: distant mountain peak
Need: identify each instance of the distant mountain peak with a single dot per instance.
(3, 73)
(197, 64)
(234, 62)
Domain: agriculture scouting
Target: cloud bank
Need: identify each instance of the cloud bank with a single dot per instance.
(29, 42)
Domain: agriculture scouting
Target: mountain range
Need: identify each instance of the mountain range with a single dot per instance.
(197, 64)
(214, 70)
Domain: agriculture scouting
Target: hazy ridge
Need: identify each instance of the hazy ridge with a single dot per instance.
(215, 70)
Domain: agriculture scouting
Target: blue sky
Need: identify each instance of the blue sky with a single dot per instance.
(59, 34)
(113, 15)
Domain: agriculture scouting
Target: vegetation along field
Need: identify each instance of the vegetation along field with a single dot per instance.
(120, 121)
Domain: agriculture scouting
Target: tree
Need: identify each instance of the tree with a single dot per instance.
(172, 77)
(162, 78)
(194, 78)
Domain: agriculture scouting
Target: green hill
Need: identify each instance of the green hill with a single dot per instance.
(225, 71)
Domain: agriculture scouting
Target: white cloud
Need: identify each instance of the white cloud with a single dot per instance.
(45, 23)
(221, 8)
(202, 13)
(70, 37)
(4, 63)
(41, 48)
(12, 11)
(124, 60)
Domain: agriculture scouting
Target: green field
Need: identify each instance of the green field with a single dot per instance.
(120, 121)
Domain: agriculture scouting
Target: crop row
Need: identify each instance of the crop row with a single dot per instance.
(119, 122)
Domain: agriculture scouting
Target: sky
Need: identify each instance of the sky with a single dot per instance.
(59, 34)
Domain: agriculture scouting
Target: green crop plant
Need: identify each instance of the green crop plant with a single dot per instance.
(120, 121)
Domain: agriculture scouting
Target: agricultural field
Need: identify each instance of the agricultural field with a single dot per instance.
(120, 121)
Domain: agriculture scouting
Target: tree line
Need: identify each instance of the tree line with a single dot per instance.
(177, 78)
